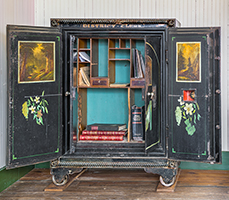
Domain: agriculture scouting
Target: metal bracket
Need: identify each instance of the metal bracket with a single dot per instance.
(73, 93)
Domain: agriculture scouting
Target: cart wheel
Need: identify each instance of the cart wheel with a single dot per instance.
(62, 182)
(167, 184)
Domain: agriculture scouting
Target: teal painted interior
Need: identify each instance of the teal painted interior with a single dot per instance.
(88, 44)
(127, 43)
(116, 43)
(8, 177)
(107, 105)
(122, 54)
(122, 71)
(103, 58)
(138, 98)
(140, 45)
(109, 102)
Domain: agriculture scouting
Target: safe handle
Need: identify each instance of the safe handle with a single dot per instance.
(152, 94)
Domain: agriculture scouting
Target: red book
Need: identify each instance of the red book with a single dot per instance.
(86, 132)
(105, 127)
(102, 137)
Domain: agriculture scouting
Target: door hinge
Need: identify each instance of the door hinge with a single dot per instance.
(11, 102)
(73, 38)
(166, 56)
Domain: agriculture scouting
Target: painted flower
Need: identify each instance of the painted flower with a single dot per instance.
(188, 108)
(37, 99)
(32, 108)
(39, 114)
(180, 100)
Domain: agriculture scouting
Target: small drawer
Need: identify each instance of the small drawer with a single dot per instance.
(137, 82)
(99, 82)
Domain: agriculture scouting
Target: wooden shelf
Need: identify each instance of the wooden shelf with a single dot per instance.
(121, 87)
(117, 48)
(118, 59)
(84, 49)
(84, 62)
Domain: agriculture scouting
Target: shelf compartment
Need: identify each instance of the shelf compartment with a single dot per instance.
(119, 43)
(99, 67)
(124, 43)
(113, 43)
(107, 106)
(84, 75)
(120, 68)
(84, 43)
(119, 54)
(82, 110)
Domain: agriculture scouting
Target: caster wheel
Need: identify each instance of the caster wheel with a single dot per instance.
(62, 182)
(167, 184)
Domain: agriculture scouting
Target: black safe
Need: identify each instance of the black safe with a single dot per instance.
(85, 71)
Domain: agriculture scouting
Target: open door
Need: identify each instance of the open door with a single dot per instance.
(34, 95)
(154, 109)
(194, 94)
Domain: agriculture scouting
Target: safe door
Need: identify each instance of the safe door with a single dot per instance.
(34, 95)
(193, 94)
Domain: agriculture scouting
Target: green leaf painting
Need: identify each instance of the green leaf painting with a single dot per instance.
(149, 117)
(178, 114)
(189, 113)
(37, 107)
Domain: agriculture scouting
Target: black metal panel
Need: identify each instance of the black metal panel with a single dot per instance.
(34, 95)
(193, 100)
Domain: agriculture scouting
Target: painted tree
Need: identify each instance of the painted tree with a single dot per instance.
(25, 52)
(48, 51)
(181, 60)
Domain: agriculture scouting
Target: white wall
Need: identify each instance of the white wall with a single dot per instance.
(188, 12)
(11, 12)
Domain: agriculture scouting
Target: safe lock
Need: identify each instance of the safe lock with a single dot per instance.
(152, 95)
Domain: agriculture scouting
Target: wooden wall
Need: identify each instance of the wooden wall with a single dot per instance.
(188, 12)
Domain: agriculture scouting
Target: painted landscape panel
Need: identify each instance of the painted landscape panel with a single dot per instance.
(188, 62)
(36, 61)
